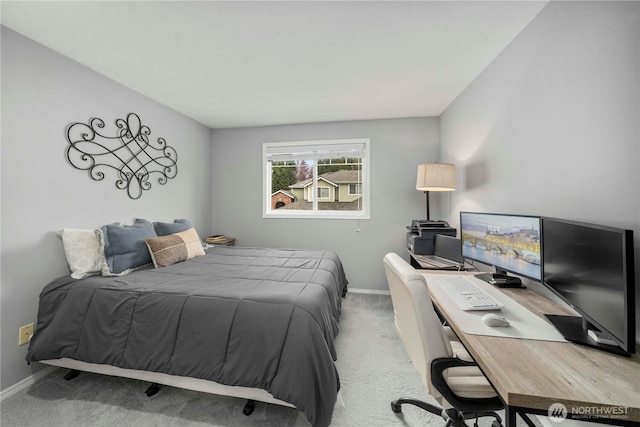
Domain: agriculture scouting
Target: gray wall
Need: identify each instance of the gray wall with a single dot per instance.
(552, 126)
(397, 147)
(42, 93)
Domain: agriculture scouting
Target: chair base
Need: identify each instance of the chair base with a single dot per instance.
(453, 417)
(396, 405)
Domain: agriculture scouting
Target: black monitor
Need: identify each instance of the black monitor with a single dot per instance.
(510, 243)
(591, 267)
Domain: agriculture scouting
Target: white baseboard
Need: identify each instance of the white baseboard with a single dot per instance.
(369, 291)
(26, 382)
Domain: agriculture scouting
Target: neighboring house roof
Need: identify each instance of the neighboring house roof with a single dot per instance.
(285, 192)
(333, 178)
(343, 176)
(301, 184)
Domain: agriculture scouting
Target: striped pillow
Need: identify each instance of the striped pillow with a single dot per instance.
(174, 248)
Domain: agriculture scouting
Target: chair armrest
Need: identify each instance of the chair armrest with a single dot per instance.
(463, 404)
(443, 363)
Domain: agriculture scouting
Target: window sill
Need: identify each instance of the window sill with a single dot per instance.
(316, 215)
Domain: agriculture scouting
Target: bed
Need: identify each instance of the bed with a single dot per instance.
(254, 323)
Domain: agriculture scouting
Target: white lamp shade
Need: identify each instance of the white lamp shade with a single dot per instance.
(436, 177)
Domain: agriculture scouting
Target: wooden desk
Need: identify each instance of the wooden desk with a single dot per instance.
(532, 375)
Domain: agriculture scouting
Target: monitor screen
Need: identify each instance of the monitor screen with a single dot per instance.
(507, 242)
(591, 268)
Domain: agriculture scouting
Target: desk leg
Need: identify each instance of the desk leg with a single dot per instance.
(510, 414)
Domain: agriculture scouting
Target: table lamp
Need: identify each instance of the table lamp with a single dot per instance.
(435, 177)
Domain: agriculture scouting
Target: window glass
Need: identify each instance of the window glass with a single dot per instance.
(324, 179)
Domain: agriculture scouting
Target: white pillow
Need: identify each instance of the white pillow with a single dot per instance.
(82, 250)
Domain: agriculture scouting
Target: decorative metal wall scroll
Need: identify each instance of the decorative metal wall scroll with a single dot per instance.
(129, 153)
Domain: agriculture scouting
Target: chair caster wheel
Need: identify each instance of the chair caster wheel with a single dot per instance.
(396, 407)
(496, 423)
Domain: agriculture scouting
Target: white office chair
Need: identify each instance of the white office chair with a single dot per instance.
(446, 369)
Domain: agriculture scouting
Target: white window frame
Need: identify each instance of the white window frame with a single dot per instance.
(306, 147)
(356, 186)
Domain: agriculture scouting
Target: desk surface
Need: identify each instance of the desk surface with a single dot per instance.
(535, 374)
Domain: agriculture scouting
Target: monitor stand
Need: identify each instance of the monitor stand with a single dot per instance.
(501, 279)
(574, 329)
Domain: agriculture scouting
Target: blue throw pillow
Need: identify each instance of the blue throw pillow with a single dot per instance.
(167, 228)
(124, 246)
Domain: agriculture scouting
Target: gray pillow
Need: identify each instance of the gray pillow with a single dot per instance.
(177, 226)
(167, 228)
(124, 246)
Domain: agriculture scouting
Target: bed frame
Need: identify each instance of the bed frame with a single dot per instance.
(251, 394)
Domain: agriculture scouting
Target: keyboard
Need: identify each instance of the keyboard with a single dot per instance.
(468, 295)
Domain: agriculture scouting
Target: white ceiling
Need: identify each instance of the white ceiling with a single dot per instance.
(239, 64)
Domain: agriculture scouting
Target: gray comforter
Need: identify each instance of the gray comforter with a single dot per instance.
(263, 318)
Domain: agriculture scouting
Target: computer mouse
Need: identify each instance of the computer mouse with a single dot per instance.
(494, 320)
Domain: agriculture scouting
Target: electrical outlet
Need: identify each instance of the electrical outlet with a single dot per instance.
(25, 333)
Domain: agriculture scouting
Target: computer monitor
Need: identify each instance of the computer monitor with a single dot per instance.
(591, 267)
(510, 243)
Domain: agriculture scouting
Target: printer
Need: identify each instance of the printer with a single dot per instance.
(421, 235)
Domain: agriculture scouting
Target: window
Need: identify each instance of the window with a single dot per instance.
(323, 193)
(316, 179)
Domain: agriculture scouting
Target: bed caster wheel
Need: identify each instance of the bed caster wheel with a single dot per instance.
(249, 407)
(153, 389)
(396, 407)
(71, 375)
